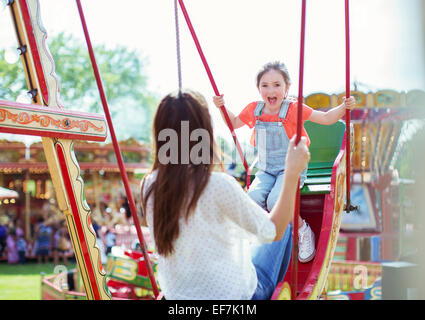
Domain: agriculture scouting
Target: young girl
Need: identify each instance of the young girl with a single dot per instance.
(275, 122)
(202, 222)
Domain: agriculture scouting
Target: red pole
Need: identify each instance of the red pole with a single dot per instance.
(301, 74)
(217, 93)
(294, 278)
(118, 152)
(347, 112)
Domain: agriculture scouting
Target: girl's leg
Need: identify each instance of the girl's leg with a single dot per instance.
(306, 238)
(275, 192)
(260, 188)
(274, 195)
(271, 261)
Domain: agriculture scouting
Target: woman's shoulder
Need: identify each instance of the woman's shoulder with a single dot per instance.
(219, 176)
(223, 182)
(219, 181)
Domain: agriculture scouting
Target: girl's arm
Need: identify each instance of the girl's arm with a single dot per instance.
(333, 115)
(236, 122)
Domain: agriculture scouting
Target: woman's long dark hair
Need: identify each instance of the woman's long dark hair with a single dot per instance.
(178, 184)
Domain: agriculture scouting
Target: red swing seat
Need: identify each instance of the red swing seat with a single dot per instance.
(321, 205)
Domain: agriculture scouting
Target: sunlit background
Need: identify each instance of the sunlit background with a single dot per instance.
(239, 36)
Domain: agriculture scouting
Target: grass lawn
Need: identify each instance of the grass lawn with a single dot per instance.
(23, 282)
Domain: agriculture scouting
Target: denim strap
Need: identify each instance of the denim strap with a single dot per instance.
(284, 109)
(259, 109)
(282, 113)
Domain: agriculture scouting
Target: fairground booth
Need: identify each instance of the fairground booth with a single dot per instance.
(24, 171)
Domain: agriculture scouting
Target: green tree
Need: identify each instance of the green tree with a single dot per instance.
(12, 79)
(122, 72)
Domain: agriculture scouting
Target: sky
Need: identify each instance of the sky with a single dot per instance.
(239, 36)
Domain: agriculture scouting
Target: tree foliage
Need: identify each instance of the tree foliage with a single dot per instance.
(12, 79)
(123, 77)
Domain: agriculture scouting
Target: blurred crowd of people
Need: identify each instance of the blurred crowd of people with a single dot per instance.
(49, 238)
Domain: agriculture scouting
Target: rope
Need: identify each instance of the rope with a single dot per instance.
(179, 67)
(117, 151)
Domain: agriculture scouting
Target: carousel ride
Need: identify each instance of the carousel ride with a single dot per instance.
(372, 235)
(130, 274)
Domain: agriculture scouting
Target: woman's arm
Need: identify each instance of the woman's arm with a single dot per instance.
(296, 160)
(237, 206)
(334, 114)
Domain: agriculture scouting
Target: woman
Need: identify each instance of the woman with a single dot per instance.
(203, 223)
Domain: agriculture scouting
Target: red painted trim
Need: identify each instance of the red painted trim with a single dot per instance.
(52, 134)
(327, 220)
(90, 147)
(57, 111)
(351, 251)
(35, 55)
(356, 295)
(130, 167)
(47, 284)
(48, 296)
(78, 223)
(323, 240)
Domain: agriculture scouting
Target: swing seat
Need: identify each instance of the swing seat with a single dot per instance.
(321, 205)
(325, 144)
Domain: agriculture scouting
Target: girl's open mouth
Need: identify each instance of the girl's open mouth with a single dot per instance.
(272, 100)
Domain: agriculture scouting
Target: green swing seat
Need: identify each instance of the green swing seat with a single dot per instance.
(325, 144)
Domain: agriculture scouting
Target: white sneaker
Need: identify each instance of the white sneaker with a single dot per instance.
(306, 244)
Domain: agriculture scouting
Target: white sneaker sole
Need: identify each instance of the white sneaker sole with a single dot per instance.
(308, 259)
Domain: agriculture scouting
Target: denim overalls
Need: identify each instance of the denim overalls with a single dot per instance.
(272, 143)
(271, 260)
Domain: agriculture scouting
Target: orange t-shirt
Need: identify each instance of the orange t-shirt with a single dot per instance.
(247, 116)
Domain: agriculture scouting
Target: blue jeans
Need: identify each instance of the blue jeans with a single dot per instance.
(271, 261)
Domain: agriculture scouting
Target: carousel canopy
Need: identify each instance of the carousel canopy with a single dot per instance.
(16, 156)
